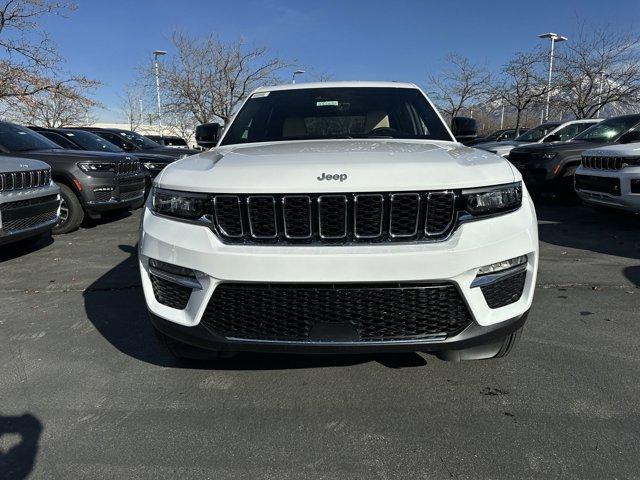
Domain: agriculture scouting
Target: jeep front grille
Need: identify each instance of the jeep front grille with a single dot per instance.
(127, 167)
(603, 163)
(24, 180)
(334, 218)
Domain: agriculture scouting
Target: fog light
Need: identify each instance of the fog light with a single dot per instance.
(503, 265)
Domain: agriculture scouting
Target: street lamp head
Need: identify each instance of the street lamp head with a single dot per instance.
(298, 72)
(553, 36)
(159, 53)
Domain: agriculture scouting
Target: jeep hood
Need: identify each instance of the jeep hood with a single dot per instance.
(369, 165)
(13, 164)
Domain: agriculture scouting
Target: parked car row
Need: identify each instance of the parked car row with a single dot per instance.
(51, 179)
(594, 158)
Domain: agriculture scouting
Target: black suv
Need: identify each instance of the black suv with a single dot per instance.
(551, 166)
(138, 144)
(76, 139)
(169, 141)
(91, 183)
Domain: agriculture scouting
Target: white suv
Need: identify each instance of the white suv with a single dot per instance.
(610, 176)
(339, 217)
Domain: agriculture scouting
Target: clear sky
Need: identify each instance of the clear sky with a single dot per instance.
(365, 40)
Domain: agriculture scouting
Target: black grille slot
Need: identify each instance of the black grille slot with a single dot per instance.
(297, 217)
(405, 211)
(368, 215)
(374, 312)
(333, 216)
(262, 216)
(228, 215)
(440, 212)
(505, 291)
(169, 293)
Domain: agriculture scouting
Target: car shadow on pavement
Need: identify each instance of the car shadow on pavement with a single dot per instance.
(17, 455)
(581, 227)
(24, 247)
(115, 304)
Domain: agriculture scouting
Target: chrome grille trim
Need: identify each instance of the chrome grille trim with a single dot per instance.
(415, 230)
(10, 181)
(430, 196)
(284, 217)
(215, 214)
(332, 237)
(333, 218)
(355, 215)
(273, 209)
(603, 163)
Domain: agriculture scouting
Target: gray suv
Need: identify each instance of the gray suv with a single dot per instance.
(29, 199)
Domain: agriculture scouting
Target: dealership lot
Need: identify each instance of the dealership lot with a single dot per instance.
(83, 383)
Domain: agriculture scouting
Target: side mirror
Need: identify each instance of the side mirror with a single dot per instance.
(465, 129)
(208, 134)
(630, 137)
(554, 137)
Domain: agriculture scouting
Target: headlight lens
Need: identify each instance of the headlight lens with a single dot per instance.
(493, 199)
(89, 167)
(153, 166)
(172, 203)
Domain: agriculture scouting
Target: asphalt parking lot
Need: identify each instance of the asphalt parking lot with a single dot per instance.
(85, 392)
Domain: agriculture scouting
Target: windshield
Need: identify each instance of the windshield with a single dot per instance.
(138, 140)
(608, 130)
(537, 133)
(18, 139)
(91, 141)
(343, 112)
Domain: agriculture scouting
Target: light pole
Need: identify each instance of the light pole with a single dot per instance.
(554, 37)
(156, 54)
(297, 72)
(600, 93)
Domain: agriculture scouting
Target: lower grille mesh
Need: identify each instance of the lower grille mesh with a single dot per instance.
(504, 292)
(292, 311)
(16, 225)
(169, 293)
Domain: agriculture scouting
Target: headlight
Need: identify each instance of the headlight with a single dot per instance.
(545, 156)
(501, 266)
(154, 166)
(190, 206)
(490, 200)
(88, 167)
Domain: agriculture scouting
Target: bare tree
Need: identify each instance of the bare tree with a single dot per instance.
(29, 61)
(182, 123)
(521, 84)
(132, 107)
(209, 77)
(461, 85)
(57, 107)
(598, 68)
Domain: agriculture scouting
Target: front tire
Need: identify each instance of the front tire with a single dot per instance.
(71, 212)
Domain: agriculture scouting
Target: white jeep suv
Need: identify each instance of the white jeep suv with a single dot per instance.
(334, 218)
(610, 176)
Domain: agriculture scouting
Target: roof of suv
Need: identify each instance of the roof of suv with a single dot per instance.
(302, 86)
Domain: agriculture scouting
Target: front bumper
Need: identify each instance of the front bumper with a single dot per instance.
(627, 199)
(454, 261)
(104, 193)
(27, 213)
